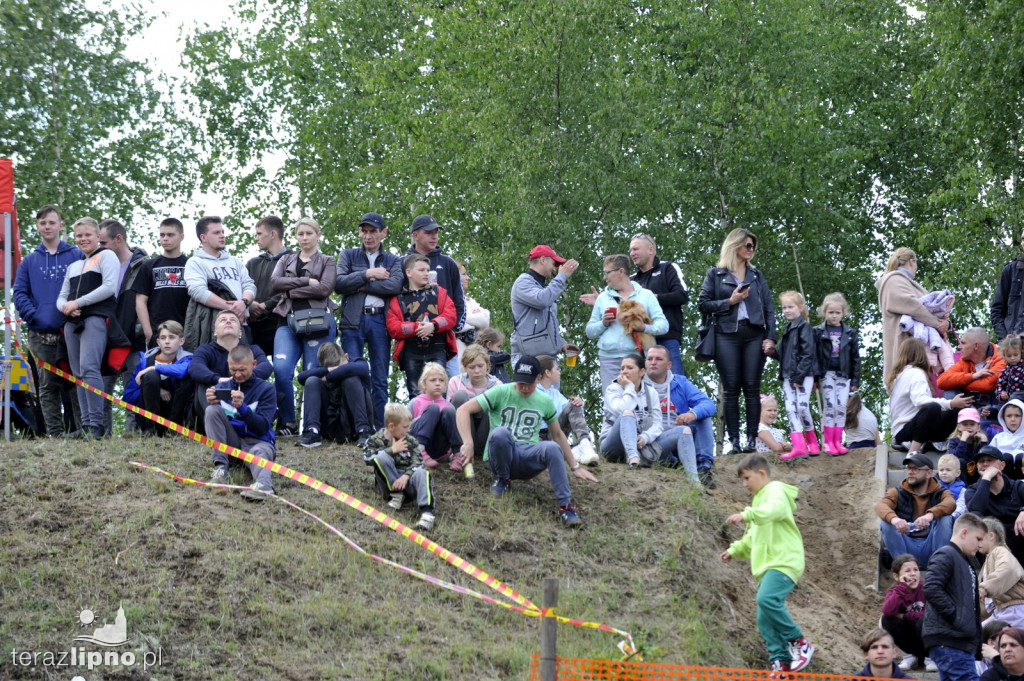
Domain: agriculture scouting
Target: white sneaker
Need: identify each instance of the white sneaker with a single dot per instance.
(587, 455)
(257, 491)
(909, 662)
(930, 666)
(426, 522)
(396, 501)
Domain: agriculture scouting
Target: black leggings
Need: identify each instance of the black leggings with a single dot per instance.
(739, 360)
(906, 635)
(931, 423)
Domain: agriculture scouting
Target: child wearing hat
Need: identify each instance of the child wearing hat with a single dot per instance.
(966, 440)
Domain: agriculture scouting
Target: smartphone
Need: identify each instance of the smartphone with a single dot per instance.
(223, 394)
(743, 287)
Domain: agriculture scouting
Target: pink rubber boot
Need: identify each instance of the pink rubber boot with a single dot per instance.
(812, 443)
(799, 447)
(837, 440)
(828, 443)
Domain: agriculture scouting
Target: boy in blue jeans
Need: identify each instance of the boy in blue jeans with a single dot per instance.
(951, 626)
(775, 548)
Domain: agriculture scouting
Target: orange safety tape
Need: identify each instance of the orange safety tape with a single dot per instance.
(465, 566)
(302, 478)
(625, 646)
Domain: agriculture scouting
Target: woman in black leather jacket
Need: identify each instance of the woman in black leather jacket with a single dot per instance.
(737, 296)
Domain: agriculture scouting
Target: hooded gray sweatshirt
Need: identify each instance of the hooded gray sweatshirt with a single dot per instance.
(227, 269)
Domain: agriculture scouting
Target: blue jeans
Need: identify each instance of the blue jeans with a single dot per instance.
(374, 333)
(703, 441)
(939, 534)
(953, 664)
(512, 460)
(287, 349)
(619, 442)
(674, 356)
(677, 441)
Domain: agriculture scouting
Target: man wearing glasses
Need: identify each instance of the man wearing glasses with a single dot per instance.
(665, 280)
(917, 516)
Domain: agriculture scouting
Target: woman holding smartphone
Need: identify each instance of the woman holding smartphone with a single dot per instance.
(736, 297)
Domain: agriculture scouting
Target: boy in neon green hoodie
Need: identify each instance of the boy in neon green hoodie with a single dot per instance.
(775, 548)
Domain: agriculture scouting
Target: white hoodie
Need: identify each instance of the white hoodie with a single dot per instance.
(1007, 442)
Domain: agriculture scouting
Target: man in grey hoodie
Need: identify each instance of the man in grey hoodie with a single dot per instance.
(235, 289)
(535, 305)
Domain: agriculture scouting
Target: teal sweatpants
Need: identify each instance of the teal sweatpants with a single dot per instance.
(773, 620)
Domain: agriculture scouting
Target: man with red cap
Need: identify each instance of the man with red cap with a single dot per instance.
(535, 329)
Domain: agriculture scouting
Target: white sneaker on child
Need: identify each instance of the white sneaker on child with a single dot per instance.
(908, 663)
(930, 666)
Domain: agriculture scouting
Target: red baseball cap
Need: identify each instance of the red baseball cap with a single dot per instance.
(545, 251)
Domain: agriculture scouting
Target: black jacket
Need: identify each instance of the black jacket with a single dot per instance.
(126, 316)
(849, 352)
(952, 617)
(665, 281)
(260, 269)
(1005, 506)
(1007, 308)
(353, 285)
(796, 352)
(714, 300)
(997, 672)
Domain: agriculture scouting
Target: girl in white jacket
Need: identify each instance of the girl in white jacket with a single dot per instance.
(632, 417)
(915, 415)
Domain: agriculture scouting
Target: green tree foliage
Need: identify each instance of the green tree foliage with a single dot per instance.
(579, 124)
(88, 129)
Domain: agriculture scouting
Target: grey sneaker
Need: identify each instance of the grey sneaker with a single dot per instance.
(426, 522)
(257, 492)
(220, 476)
(397, 498)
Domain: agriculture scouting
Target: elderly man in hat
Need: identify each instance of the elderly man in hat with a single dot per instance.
(443, 271)
(917, 516)
(368, 277)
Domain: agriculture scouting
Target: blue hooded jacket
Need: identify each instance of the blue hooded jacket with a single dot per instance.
(175, 371)
(37, 286)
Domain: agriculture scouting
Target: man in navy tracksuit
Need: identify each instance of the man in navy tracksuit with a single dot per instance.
(36, 287)
(246, 421)
(368, 277)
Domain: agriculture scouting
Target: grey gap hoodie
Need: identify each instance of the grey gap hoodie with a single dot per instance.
(225, 268)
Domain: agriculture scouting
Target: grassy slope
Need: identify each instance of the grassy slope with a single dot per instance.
(231, 590)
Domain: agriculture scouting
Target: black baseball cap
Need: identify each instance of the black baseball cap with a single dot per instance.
(991, 452)
(919, 460)
(374, 220)
(527, 370)
(424, 222)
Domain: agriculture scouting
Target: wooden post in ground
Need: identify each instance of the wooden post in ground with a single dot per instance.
(549, 633)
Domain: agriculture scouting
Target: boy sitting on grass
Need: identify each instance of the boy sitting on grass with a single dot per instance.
(775, 548)
(880, 655)
(397, 460)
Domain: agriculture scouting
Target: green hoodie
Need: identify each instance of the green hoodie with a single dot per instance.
(771, 540)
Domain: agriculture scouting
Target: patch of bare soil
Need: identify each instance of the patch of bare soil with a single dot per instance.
(833, 603)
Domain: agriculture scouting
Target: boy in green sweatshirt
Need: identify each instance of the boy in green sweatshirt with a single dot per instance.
(775, 548)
